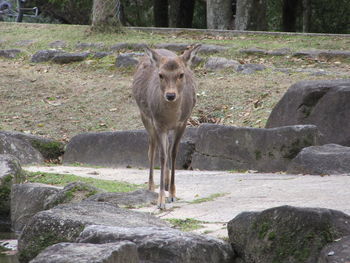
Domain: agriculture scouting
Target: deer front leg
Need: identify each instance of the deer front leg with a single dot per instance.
(151, 155)
(174, 149)
(163, 154)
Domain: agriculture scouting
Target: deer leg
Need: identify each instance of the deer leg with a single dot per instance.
(167, 176)
(163, 154)
(174, 149)
(151, 155)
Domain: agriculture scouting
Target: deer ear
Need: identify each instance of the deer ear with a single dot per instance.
(190, 53)
(153, 56)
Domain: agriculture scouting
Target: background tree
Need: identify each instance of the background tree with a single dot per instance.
(105, 15)
(290, 14)
(219, 14)
(251, 15)
(160, 11)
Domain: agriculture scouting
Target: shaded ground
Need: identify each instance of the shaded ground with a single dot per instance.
(215, 197)
(60, 101)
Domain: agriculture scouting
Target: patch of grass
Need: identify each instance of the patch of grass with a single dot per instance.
(211, 197)
(186, 225)
(63, 179)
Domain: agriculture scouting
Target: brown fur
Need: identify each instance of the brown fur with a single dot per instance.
(159, 74)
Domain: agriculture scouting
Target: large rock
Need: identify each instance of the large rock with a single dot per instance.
(21, 149)
(9, 53)
(324, 103)
(163, 244)
(49, 149)
(336, 252)
(221, 147)
(130, 199)
(26, 201)
(325, 159)
(286, 234)
(64, 58)
(72, 193)
(45, 55)
(176, 47)
(121, 149)
(10, 173)
(65, 222)
(121, 252)
(126, 60)
(218, 63)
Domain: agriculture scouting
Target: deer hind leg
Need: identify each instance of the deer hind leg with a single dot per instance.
(174, 149)
(167, 172)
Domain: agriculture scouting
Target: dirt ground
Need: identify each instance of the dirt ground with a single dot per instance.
(228, 194)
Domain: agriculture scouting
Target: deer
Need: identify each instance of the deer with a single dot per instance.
(165, 92)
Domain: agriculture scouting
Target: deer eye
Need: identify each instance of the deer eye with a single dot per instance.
(181, 75)
(161, 76)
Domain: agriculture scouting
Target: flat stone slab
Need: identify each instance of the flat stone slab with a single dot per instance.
(218, 63)
(336, 252)
(45, 55)
(64, 223)
(220, 147)
(64, 58)
(9, 53)
(121, 252)
(120, 149)
(163, 244)
(325, 159)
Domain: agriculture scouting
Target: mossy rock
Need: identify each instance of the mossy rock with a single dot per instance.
(72, 193)
(286, 234)
(49, 149)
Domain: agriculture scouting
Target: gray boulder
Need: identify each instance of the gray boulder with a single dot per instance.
(307, 53)
(286, 234)
(323, 103)
(27, 200)
(58, 44)
(130, 199)
(23, 150)
(325, 159)
(10, 173)
(211, 49)
(250, 68)
(157, 244)
(101, 54)
(218, 63)
(132, 46)
(64, 223)
(220, 147)
(45, 55)
(121, 252)
(121, 149)
(48, 148)
(126, 60)
(253, 51)
(64, 58)
(72, 193)
(334, 54)
(279, 52)
(176, 47)
(9, 53)
(336, 252)
(83, 45)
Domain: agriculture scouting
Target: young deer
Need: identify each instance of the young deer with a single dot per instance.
(164, 89)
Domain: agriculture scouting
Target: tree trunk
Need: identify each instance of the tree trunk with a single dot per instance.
(160, 12)
(219, 14)
(185, 14)
(174, 6)
(251, 15)
(306, 15)
(289, 15)
(105, 15)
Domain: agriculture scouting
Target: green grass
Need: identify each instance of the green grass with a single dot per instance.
(64, 179)
(211, 197)
(187, 224)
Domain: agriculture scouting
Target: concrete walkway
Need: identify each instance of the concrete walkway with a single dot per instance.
(235, 192)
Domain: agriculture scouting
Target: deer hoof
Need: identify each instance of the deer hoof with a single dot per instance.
(161, 206)
(171, 199)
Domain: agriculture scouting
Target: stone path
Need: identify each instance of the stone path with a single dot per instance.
(237, 192)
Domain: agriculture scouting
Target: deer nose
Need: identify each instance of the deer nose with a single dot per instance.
(170, 96)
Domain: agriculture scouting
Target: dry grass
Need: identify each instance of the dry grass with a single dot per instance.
(60, 101)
